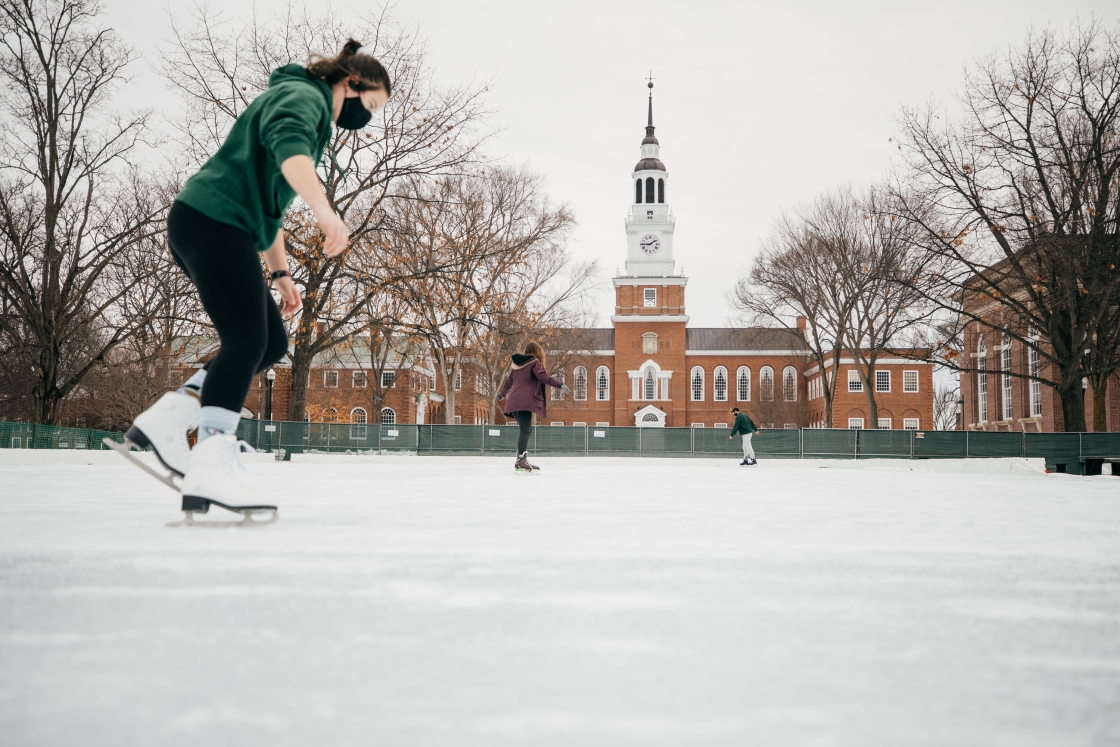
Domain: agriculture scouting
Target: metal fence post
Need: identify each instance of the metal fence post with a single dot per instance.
(912, 444)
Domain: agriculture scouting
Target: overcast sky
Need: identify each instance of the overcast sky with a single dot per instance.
(758, 106)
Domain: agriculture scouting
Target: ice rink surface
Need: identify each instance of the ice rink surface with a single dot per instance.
(448, 601)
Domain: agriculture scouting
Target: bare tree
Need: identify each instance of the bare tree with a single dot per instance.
(1018, 199)
(794, 275)
(219, 67)
(468, 242)
(72, 211)
(837, 263)
(945, 407)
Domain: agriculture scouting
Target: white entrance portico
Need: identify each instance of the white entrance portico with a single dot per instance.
(650, 417)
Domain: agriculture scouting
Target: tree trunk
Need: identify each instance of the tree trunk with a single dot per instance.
(301, 371)
(1073, 406)
(1100, 398)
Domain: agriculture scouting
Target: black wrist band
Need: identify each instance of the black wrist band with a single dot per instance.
(280, 274)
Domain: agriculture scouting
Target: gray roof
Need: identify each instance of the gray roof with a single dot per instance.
(650, 164)
(743, 338)
(589, 339)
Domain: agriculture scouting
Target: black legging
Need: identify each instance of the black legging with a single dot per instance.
(223, 263)
(525, 423)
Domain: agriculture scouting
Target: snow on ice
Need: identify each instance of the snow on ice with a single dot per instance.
(448, 601)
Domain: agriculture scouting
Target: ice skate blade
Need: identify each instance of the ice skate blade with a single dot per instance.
(123, 450)
(194, 506)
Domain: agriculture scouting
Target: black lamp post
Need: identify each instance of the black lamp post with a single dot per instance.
(271, 376)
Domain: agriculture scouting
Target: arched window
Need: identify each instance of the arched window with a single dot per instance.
(558, 394)
(579, 390)
(649, 417)
(388, 416)
(981, 381)
(661, 190)
(603, 384)
(719, 384)
(1005, 367)
(649, 189)
(743, 384)
(358, 419)
(766, 384)
(698, 384)
(789, 384)
(649, 380)
(638, 190)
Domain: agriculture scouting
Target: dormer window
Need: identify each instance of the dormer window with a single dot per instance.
(649, 298)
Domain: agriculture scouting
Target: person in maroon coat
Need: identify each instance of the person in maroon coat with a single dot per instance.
(523, 392)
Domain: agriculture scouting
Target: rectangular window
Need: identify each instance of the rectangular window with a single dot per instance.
(882, 381)
(458, 420)
(360, 380)
(602, 424)
(1036, 386)
(697, 425)
(884, 424)
(855, 384)
(911, 424)
(557, 422)
(459, 379)
(649, 298)
(790, 426)
(855, 424)
(719, 425)
(387, 379)
(577, 423)
(431, 382)
(909, 382)
(330, 379)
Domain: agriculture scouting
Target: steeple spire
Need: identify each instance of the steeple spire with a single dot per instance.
(649, 138)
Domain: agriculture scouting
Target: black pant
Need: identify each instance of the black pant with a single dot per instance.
(525, 423)
(223, 263)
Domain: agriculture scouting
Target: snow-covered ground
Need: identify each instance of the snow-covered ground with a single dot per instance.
(448, 601)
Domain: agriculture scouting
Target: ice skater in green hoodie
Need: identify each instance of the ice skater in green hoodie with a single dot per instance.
(743, 424)
(227, 215)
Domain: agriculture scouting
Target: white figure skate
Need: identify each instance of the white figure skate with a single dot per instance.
(217, 478)
(163, 427)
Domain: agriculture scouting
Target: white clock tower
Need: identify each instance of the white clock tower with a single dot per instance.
(649, 225)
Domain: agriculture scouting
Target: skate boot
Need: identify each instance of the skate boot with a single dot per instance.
(522, 463)
(217, 477)
(163, 427)
(745, 463)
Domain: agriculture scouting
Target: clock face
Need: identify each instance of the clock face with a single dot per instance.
(650, 244)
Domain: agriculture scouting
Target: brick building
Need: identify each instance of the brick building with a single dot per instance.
(341, 386)
(996, 396)
(649, 369)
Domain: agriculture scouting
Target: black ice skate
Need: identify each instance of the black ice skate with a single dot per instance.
(522, 464)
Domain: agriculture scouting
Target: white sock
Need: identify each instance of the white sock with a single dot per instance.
(215, 420)
(195, 382)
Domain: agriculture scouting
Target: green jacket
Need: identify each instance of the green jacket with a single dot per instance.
(743, 424)
(241, 184)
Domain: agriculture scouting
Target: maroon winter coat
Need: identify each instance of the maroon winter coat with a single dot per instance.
(524, 386)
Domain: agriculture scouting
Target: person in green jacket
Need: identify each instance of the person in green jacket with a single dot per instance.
(743, 424)
(227, 215)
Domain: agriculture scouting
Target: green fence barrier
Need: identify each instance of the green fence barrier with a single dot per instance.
(1082, 453)
(34, 436)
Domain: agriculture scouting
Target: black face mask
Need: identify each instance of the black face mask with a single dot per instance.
(354, 116)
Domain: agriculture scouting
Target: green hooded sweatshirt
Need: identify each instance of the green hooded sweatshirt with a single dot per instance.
(743, 424)
(241, 184)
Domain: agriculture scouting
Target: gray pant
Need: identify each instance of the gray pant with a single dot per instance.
(748, 450)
